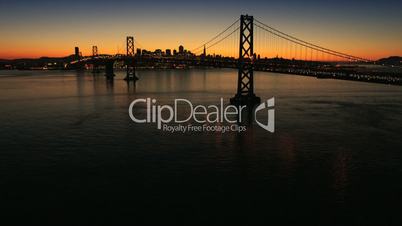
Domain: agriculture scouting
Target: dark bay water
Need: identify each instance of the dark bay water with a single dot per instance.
(70, 155)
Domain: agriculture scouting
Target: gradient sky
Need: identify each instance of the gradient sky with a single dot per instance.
(53, 28)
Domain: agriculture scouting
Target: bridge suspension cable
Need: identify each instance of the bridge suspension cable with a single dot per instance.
(207, 44)
(307, 45)
(301, 44)
(220, 40)
(138, 44)
(272, 43)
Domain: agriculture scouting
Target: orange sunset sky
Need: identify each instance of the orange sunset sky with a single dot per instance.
(54, 28)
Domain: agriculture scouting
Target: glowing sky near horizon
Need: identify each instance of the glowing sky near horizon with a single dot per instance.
(54, 28)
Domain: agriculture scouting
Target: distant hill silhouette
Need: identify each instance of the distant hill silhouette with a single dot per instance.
(392, 60)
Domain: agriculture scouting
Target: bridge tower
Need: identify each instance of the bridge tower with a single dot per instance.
(130, 60)
(94, 51)
(245, 81)
(77, 53)
(95, 66)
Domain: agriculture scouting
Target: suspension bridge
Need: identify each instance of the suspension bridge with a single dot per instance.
(248, 45)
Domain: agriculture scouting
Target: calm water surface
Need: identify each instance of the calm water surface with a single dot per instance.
(70, 155)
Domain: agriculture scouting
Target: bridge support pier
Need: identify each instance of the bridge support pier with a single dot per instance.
(245, 82)
(95, 68)
(109, 69)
